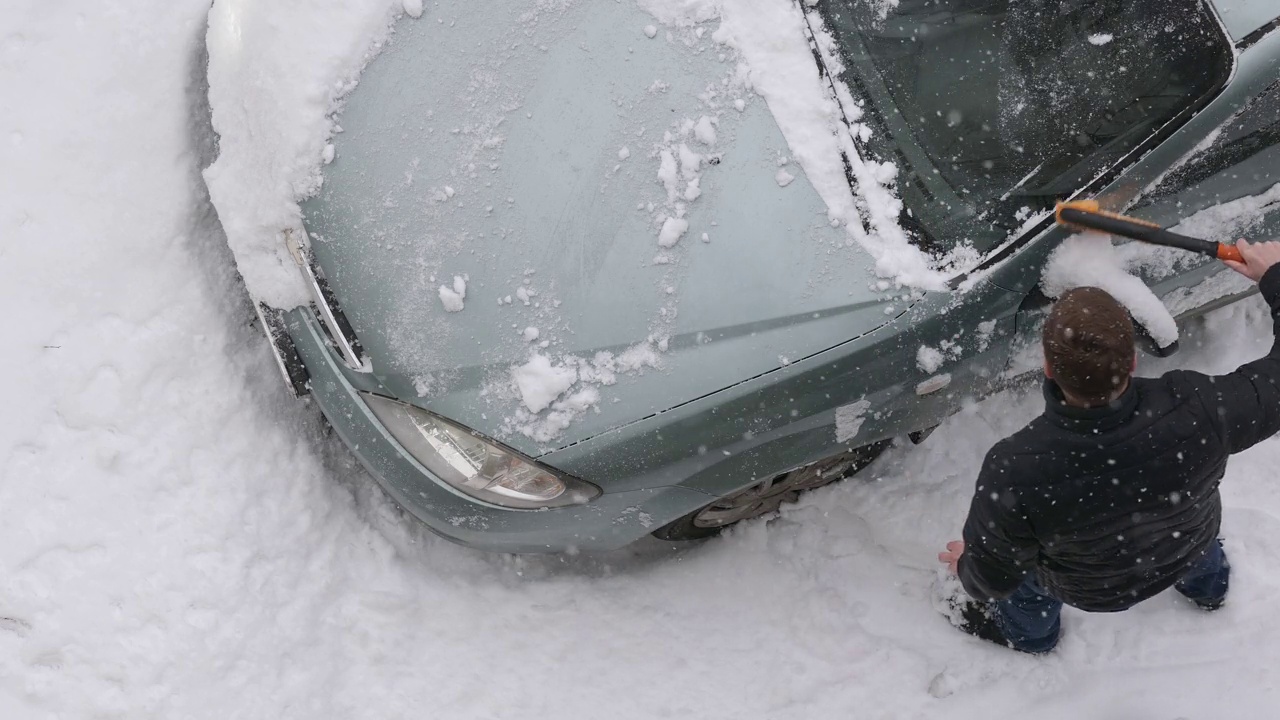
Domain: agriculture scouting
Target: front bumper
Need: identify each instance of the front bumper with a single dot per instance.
(606, 523)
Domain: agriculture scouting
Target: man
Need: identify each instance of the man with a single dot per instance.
(1110, 496)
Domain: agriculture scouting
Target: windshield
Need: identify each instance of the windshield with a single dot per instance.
(992, 110)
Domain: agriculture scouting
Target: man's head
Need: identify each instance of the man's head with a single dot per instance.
(1088, 346)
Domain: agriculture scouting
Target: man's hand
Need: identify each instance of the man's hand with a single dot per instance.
(1258, 258)
(955, 549)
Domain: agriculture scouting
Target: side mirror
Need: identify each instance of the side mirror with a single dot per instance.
(1037, 302)
(1147, 344)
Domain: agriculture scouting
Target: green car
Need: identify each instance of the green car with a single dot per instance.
(571, 289)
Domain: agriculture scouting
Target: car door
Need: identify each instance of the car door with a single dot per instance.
(1226, 190)
(1215, 177)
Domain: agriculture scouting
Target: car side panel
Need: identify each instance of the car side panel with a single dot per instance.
(853, 395)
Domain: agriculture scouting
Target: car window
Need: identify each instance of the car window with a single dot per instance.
(1242, 163)
(992, 110)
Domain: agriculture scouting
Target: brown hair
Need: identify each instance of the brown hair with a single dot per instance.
(1088, 344)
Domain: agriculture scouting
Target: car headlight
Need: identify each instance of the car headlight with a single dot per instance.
(474, 465)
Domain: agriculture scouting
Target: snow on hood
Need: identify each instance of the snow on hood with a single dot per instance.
(277, 71)
(772, 38)
(275, 96)
(622, 228)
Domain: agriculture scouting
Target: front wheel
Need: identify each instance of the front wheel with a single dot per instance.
(767, 496)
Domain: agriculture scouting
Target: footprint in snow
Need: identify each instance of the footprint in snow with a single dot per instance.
(15, 625)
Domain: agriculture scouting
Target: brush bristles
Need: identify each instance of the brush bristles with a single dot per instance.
(1092, 207)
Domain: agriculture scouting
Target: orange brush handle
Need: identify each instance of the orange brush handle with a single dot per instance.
(1087, 215)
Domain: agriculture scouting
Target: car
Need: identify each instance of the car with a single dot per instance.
(573, 283)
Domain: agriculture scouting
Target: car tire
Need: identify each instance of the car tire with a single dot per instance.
(767, 496)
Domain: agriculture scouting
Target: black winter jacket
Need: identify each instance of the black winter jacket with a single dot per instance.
(1110, 505)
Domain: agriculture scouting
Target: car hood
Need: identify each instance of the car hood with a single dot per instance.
(508, 171)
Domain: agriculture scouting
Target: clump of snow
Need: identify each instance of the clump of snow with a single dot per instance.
(849, 419)
(273, 95)
(452, 297)
(624, 152)
(679, 172)
(554, 396)
(951, 348)
(1101, 39)
(783, 177)
(705, 130)
(672, 230)
(540, 382)
(690, 162)
(651, 31)
(668, 173)
(530, 334)
(929, 359)
(1089, 259)
(637, 357)
(693, 190)
(771, 37)
(563, 413)
(985, 330)
(740, 105)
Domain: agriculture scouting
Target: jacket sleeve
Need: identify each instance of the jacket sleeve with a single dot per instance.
(999, 544)
(1244, 405)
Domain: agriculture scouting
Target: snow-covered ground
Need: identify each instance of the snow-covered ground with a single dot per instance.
(180, 539)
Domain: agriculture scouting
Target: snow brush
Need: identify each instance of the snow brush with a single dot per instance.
(1088, 215)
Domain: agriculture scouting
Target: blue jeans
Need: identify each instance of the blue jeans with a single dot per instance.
(1031, 619)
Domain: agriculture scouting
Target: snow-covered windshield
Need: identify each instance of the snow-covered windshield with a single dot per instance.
(994, 110)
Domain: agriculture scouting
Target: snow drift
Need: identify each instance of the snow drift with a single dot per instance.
(277, 72)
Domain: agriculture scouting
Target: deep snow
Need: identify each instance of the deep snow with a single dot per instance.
(180, 539)
(277, 74)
